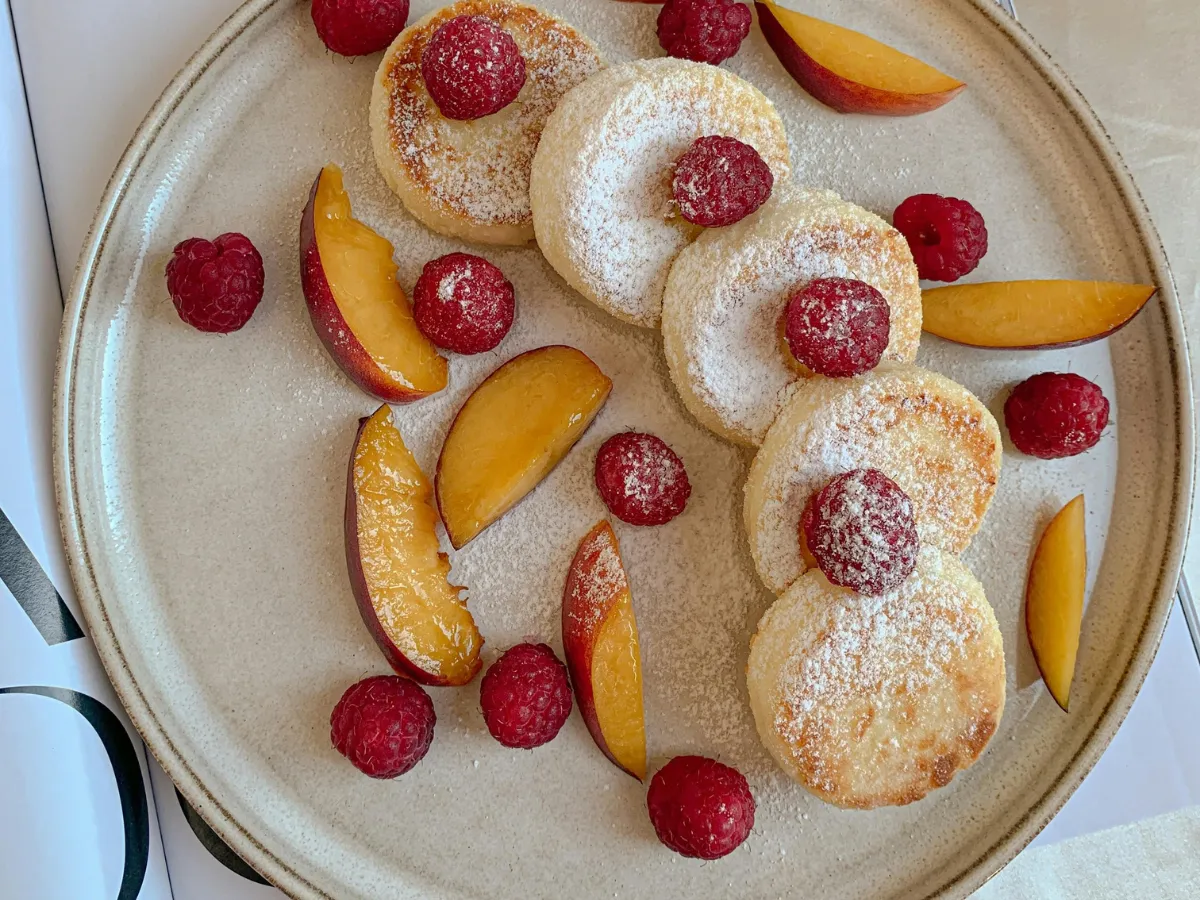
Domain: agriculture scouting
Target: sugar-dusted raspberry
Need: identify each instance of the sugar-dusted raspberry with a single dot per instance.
(707, 31)
(525, 696)
(359, 27)
(641, 480)
(384, 725)
(700, 807)
(463, 303)
(216, 285)
(860, 530)
(1055, 414)
(837, 326)
(719, 181)
(946, 235)
(472, 68)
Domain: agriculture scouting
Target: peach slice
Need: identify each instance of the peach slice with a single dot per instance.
(1054, 599)
(1031, 314)
(849, 71)
(511, 432)
(400, 579)
(357, 309)
(600, 641)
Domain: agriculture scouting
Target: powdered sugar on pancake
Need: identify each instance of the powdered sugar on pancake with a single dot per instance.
(925, 432)
(601, 189)
(877, 700)
(727, 292)
(480, 169)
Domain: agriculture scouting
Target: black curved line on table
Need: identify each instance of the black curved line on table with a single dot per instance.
(127, 770)
(219, 850)
(34, 592)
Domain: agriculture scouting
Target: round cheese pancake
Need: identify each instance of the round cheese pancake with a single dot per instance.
(927, 433)
(470, 179)
(603, 207)
(723, 309)
(876, 701)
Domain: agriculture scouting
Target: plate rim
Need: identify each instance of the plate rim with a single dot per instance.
(278, 871)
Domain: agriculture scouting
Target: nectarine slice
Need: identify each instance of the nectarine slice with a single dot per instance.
(600, 641)
(1054, 599)
(511, 432)
(849, 71)
(399, 576)
(359, 312)
(1031, 314)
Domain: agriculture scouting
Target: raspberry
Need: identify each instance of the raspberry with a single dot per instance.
(641, 480)
(1055, 414)
(216, 285)
(946, 235)
(525, 696)
(837, 326)
(384, 725)
(359, 27)
(720, 181)
(700, 807)
(860, 530)
(463, 303)
(707, 31)
(472, 68)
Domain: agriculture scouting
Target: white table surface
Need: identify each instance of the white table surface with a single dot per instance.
(123, 52)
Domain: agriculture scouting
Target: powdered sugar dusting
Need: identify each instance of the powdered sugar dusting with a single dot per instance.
(928, 434)
(880, 699)
(480, 169)
(601, 190)
(861, 531)
(727, 293)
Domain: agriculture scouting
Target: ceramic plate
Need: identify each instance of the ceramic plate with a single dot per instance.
(201, 486)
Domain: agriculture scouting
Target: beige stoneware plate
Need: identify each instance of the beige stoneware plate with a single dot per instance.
(200, 484)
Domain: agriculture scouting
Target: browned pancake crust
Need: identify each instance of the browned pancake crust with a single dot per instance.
(557, 57)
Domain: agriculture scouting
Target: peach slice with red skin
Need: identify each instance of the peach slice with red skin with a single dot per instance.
(1030, 315)
(600, 642)
(358, 310)
(399, 576)
(1054, 599)
(849, 71)
(511, 432)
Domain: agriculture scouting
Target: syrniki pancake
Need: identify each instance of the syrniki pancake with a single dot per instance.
(929, 434)
(470, 179)
(601, 190)
(876, 701)
(726, 295)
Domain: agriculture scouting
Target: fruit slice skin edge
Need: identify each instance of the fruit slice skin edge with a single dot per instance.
(869, 77)
(357, 309)
(600, 643)
(1031, 315)
(1054, 598)
(443, 647)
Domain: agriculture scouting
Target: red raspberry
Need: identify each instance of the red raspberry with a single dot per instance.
(525, 696)
(359, 27)
(641, 480)
(720, 181)
(837, 326)
(1055, 414)
(384, 725)
(707, 31)
(860, 530)
(216, 285)
(472, 68)
(700, 807)
(946, 235)
(463, 303)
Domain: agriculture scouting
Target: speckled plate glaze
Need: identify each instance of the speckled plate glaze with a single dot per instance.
(200, 483)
